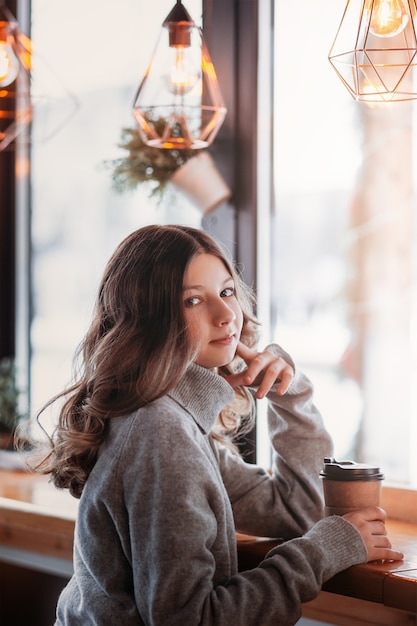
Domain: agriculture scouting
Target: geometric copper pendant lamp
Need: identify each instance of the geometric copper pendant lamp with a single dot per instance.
(375, 50)
(178, 104)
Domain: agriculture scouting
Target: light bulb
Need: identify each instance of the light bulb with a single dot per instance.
(9, 63)
(183, 74)
(388, 18)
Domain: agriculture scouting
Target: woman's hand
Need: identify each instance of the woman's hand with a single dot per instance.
(370, 522)
(263, 370)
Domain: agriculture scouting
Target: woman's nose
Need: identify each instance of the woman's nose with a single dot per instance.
(222, 313)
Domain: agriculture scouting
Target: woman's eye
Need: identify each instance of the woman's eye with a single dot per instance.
(192, 301)
(229, 291)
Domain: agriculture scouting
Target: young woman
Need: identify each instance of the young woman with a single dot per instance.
(169, 366)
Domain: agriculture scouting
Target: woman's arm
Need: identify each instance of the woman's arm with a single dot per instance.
(286, 501)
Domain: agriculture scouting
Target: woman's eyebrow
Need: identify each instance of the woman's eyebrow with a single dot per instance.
(188, 287)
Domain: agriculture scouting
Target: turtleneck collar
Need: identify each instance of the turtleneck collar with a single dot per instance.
(202, 393)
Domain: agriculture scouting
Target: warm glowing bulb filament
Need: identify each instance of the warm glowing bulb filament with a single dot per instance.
(182, 76)
(9, 63)
(388, 18)
(4, 62)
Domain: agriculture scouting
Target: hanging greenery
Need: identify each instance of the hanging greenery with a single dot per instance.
(146, 164)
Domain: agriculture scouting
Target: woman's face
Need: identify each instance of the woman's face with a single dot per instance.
(213, 315)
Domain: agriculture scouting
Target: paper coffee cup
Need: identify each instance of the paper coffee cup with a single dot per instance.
(348, 486)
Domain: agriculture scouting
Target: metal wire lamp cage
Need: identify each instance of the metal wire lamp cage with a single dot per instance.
(375, 50)
(178, 104)
(15, 63)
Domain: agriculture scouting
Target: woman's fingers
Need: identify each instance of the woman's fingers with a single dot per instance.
(263, 370)
(370, 522)
(245, 352)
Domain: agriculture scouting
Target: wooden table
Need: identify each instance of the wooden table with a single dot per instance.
(36, 523)
(37, 526)
(383, 594)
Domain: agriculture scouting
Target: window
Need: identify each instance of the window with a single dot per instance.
(344, 242)
(98, 59)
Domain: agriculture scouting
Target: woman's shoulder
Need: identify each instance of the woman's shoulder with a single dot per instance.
(150, 432)
(159, 420)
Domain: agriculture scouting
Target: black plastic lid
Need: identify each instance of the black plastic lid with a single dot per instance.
(349, 470)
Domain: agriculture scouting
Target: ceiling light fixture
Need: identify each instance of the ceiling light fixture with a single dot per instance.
(15, 64)
(178, 104)
(375, 50)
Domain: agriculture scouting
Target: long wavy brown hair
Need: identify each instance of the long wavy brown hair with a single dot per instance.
(137, 349)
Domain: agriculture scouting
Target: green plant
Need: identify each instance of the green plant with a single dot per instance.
(9, 395)
(146, 164)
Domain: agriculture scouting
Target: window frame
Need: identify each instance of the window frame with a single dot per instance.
(231, 31)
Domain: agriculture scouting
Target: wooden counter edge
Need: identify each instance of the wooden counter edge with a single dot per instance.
(35, 528)
(361, 582)
(342, 610)
(400, 502)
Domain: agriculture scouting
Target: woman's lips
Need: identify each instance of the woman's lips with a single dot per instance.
(224, 341)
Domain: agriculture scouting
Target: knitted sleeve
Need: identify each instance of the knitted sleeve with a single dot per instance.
(287, 500)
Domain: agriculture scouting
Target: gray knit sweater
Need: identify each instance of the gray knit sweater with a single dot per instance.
(155, 534)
